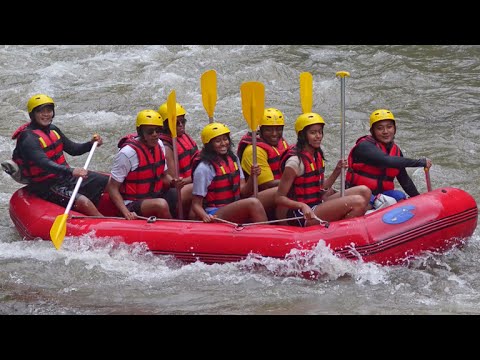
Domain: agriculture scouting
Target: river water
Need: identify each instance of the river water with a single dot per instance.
(433, 91)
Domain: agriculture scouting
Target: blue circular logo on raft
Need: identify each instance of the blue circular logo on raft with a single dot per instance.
(399, 215)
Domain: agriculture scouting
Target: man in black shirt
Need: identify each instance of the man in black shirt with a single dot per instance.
(375, 160)
(39, 154)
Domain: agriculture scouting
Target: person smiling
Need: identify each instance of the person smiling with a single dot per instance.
(270, 146)
(303, 192)
(219, 186)
(376, 160)
(139, 184)
(39, 153)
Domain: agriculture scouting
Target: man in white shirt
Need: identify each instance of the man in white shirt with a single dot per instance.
(139, 184)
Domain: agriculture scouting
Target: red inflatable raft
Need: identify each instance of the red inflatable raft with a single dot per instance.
(437, 221)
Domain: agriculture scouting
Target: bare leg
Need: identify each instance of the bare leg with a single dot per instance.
(155, 207)
(242, 211)
(192, 215)
(361, 190)
(281, 213)
(345, 207)
(267, 198)
(187, 200)
(86, 206)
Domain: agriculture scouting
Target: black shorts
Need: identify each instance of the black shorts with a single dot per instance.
(291, 213)
(60, 191)
(170, 196)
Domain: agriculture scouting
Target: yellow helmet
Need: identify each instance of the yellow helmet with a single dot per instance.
(306, 120)
(379, 115)
(37, 100)
(213, 130)
(273, 117)
(163, 110)
(149, 117)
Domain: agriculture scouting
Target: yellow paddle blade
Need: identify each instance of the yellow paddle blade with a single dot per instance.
(208, 86)
(172, 113)
(306, 91)
(342, 74)
(58, 230)
(253, 102)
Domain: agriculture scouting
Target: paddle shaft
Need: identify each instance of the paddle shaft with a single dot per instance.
(427, 179)
(342, 75)
(254, 159)
(80, 179)
(253, 102)
(172, 124)
(177, 172)
(342, 141)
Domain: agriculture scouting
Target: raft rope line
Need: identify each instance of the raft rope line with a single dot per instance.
(153, 219)
(321, 222)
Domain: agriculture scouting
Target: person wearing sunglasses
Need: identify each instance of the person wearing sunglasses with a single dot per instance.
(140, 184)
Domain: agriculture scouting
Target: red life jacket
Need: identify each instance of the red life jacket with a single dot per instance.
(187, 150)
(274, 153)
(377, 179)
(307, 188)
(145, 182)
(225, 186)
(52, 144)
(128, 137)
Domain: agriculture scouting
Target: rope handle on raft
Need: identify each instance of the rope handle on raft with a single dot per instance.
(153, 219)
(321, 222)
(150, 219)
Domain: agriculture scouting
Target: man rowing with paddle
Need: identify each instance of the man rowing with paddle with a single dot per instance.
(39, 154)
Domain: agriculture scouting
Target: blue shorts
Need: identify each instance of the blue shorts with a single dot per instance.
(211, 211)
(396, 194)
